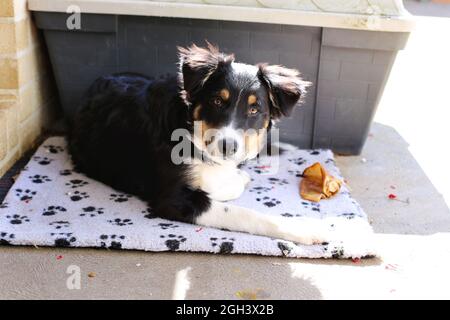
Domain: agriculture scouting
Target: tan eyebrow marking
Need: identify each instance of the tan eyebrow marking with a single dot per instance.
(225, 94)
(251, 99)
(196, 115)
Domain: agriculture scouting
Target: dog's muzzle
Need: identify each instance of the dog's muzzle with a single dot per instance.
(227, 146)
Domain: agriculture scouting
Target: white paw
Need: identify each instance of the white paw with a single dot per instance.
(227, 192)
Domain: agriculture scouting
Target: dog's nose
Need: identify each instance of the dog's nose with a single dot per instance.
(228, 146)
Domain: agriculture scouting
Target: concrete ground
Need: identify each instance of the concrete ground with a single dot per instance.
(406, 154)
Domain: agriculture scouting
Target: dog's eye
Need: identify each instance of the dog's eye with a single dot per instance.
(253, 110)
(217, 101)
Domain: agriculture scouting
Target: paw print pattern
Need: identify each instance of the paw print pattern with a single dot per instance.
(119, 197)
(313, 206)
(64, 239)
(76, 183)
(297, 161)
(59, 224)
(4, 205)
(91, 211)
(149, 213)
(296, 173)
(43, 161)
(314, 152)
(77, 195)
(285, 248)
(52, 210)
(348, 215)
(173, 242)
(290, 215)
(53, 149)
(260, 189)
(269, 202)
(277, 181)
(165, 226)
(5, 238)
(260, 169)
(337, 252)
(121, 222)
(226, 245)
(39, 179)
(111, 241)
(330, 161)
(17, 219)
(25, 195)
(65, 172)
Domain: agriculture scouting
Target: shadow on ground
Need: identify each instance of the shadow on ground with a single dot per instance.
(38, 274)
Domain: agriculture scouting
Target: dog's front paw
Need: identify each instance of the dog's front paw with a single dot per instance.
(227, 192)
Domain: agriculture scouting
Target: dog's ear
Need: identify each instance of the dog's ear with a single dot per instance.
(197, 65)
(285, 87)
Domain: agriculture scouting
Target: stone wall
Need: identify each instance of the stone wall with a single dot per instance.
(28, 97)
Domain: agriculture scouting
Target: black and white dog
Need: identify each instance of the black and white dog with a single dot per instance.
(122, 136)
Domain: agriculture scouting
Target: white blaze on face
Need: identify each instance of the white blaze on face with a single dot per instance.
(229, 133)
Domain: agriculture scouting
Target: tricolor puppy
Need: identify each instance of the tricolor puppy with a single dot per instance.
(122, 135)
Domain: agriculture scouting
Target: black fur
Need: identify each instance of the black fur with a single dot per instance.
(121, 135)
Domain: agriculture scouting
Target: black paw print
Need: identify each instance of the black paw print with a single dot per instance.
(259, 189)
(119, 197)
(60, 224)
(296, 173)
(63, 239)
(337, 252)
(330, 161)
(65, 172)
(226, 245)
(5, 238)
(285, 248)
(311, 206)
(260, 169)
(53, 149)
(298, 161)
(276, 181)
(314, 152)
(25, 195)
(111, 241)
(52, 210)
(17, 219)
(120, 222)
(42, 160)
(39, 179)
(348, 215)
(76, 183)
(290, 215)
(149, 213)
(4, 205)
(77, 195)
(174, 241)
(269, 202)
(91, 211)
(165, 226)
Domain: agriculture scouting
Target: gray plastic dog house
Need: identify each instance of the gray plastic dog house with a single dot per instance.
(346, 48)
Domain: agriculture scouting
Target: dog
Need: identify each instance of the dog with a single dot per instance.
(122, 135)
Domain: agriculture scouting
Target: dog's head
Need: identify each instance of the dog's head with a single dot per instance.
(234, 104)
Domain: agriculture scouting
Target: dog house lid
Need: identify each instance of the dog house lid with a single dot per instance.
(376, 15)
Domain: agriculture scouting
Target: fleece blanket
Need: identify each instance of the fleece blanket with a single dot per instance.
(52, 205)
